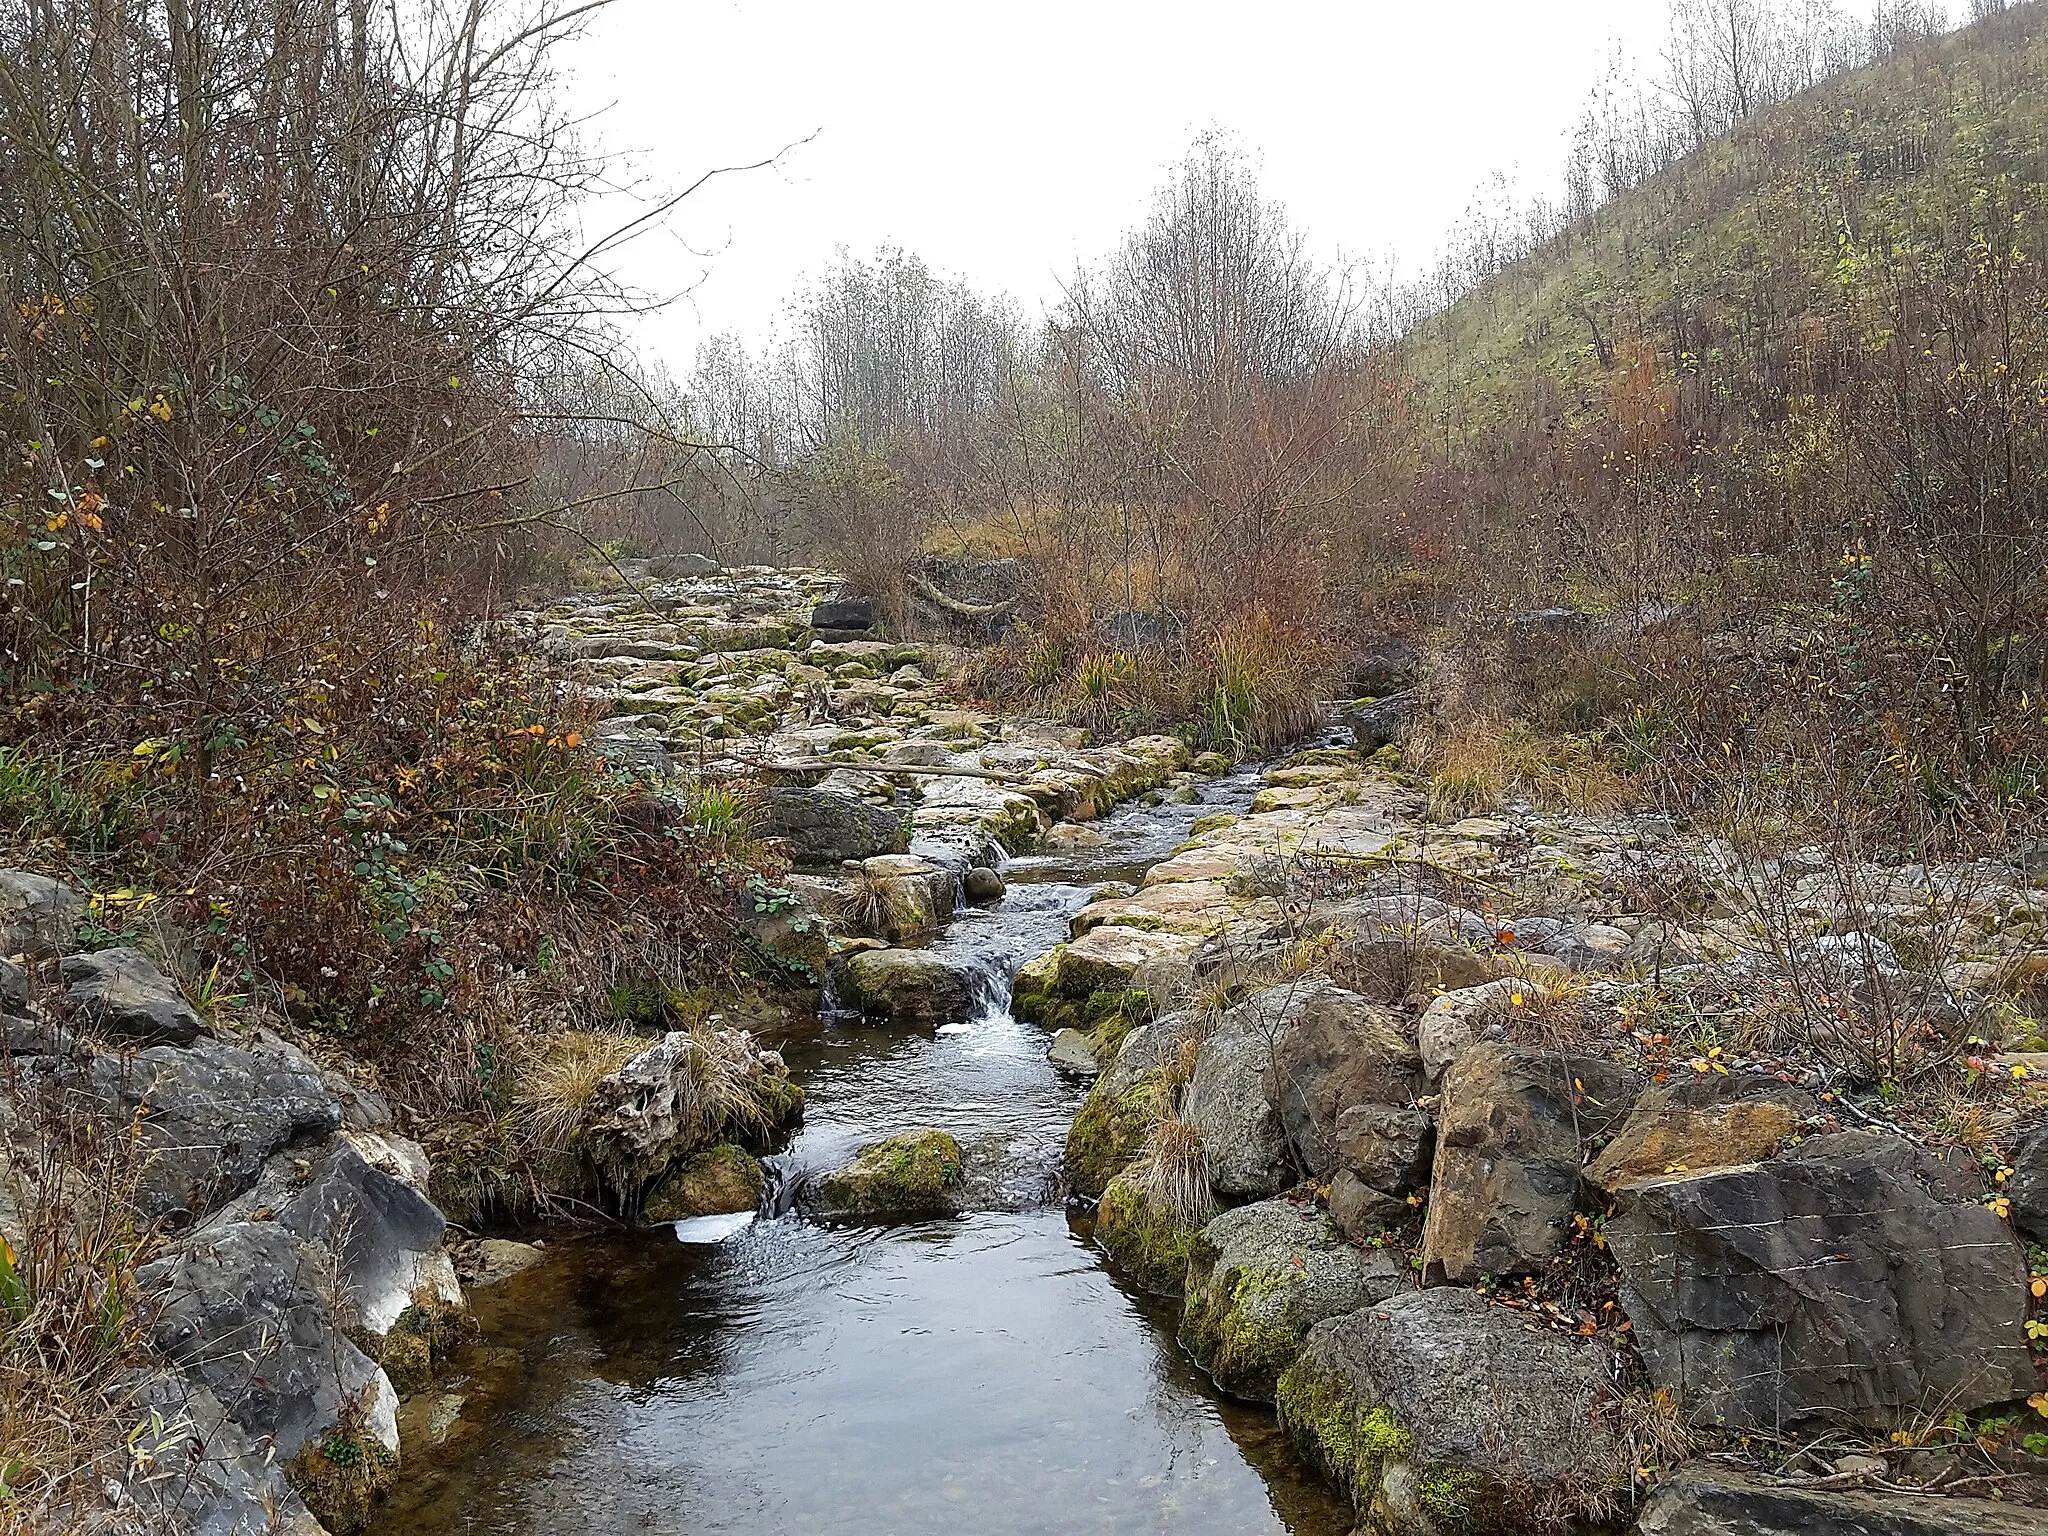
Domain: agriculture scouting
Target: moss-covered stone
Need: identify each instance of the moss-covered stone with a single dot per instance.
(341, 1477)
(913, 1173)
(1110, 1132)
(1215, 821)
(715, 1182)
(1148, 1244)
(1237, 1326)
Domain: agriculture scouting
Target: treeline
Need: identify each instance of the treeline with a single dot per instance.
(1780, 368)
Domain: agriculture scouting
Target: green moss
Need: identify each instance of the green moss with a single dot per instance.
(1323, 757)
(342, 1476)
(1144, 922)
(718, 1181)
(1453, 1498)
(1240, 1325)
(1109, 1133)
(1213, 822)
(1149, 1245)
(911, 1173)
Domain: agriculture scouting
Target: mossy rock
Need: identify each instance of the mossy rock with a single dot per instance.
(341, 1476)
(1215, 821)
(1109, 1132)
(913, 1173)
(719, 1181)
(1148, 1245)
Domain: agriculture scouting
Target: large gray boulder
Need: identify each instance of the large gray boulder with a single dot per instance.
(385, 1235)
(201, 1473)
(1341, 1053)
(916, 987)
(1710, 1499)
(1260, 1277)
(1855, 1279)
(1439, 1415)
(122, 994)
(38, 915)
(1384, 1153)
(242, 1311)
(1226, 1101)
(824, 826)
(216, 1113)
(1512, 1131)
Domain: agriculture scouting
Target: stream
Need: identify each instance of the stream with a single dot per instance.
(984, 1374)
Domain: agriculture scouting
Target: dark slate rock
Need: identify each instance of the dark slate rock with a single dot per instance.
(121, 993)
(2028, 1186)
(1857, 1279)
(206, 1475)
(1383, 722)
(854, 615)
(385, 1236)
(241, 1310)
(1341, 1052)
(1709, 1499)
(826, 827)
(14, 988)
(1382, 665)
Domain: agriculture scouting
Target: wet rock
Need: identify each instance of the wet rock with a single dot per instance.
(37, 915)
(1381, 665)
(1697, 1125)
(908, 986)
(1112, 958)
(1147, 1239)
(1341, 1052)
(204, 1474)
(1109, 1131)
(1260, 1277)
(913, 1173)
(1382, 722)
(384, 1236)
(493, 1260)
(1067, 836)
(1511, 1131)
(719, 1181)
(1012, 819)
(825, 827)
(1226, 1102)
(1709, 1499)
(908, 895)
(1439, 1415)
(984, 884)
(1072, 1051)
(1857, 1278)
(242, 1311)
(122, 994)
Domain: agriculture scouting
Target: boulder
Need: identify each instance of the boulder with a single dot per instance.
(197, 1472)
(216, 1114)
(1109, 1131)
(1698, 1124)
(1711, 1499)
(384, 1236)
(1451, 1023)
(1382, 722)
(908, 986)
(647, 1114)
(1226, 1102)
(1384, 1154)
(1856, 1279)
(669, 567)
(909, 895)
(845, 613)
(719, 1181)
(241, 1310)
(1511, 1131)
(494, 1260)
(1260, 1277)
(1381, 665)
(38, 915)
(913, 1173)
(1341, 1053)
(1072, 1051)
(1439, 1415)
(14, 988)
(122, 994)
(826, 827)
(984, 884)
(1139, 629)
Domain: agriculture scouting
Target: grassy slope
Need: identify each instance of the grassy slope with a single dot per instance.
(1718, 259)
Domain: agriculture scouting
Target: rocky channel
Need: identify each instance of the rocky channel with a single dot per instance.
(1182, 1148)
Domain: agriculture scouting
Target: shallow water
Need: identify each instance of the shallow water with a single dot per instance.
(985, 1374)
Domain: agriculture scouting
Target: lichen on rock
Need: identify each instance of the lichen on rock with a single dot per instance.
(913, 1173)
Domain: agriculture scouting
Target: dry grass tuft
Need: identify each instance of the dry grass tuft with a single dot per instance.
(1174, 1171)
(560, 1082)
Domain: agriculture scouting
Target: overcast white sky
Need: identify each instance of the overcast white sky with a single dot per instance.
(1004, 142)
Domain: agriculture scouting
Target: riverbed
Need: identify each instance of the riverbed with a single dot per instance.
(986, 1373)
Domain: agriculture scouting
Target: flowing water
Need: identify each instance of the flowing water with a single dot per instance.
(985, 1374)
